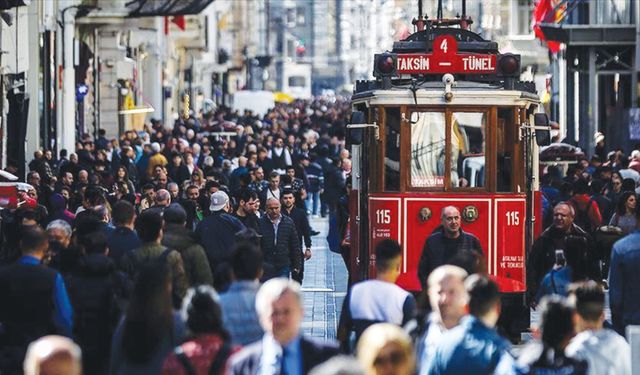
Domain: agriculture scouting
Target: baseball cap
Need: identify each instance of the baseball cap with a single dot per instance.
(598, 136)
(218, 200)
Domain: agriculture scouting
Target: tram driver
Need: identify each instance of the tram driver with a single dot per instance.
(449, 244)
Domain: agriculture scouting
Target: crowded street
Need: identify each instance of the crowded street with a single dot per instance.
(322, 187)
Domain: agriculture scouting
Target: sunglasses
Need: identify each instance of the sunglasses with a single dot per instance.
(393, 358)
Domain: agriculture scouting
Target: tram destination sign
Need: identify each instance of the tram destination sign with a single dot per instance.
(445, 59)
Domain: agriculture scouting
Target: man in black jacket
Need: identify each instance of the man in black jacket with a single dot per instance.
(216, 233)
(34, 301)
(299, 217)
(563, 235)
(97, 291)
(449, 245)
(124, 239)
(279, 243)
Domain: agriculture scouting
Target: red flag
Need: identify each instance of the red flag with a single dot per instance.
(544, 13)
(180, 22)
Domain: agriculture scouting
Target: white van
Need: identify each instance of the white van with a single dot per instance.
(260, 102)
(297, 80)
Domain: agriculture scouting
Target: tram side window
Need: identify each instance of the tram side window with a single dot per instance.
(506, 137)
(468, 149)
(427, 149)
(392, 150)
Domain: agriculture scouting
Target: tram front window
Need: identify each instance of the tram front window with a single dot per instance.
(468, 149)
(427, 149)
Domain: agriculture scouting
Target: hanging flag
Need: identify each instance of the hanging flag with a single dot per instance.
(545, 12)
(180, 22)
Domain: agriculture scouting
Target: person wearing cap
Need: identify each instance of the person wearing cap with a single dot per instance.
(178, 237)
(216, 232)
(600, 146)
(155, 159)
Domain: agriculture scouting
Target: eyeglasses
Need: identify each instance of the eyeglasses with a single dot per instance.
(394, 358)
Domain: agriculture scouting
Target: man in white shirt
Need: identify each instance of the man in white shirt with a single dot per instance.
(378, 300)
(606, 352)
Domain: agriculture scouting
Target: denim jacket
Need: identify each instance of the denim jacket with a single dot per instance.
(239, 312)
(470, 345)
(624, 278)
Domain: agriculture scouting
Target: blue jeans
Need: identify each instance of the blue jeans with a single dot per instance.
(312, 203)
(283, 272)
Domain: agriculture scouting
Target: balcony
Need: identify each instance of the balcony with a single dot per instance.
(151, 8)
(591, 23)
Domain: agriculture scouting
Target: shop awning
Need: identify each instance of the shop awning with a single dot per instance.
(152, 8)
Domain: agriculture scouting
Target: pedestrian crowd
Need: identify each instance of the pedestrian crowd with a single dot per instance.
(182, 251)
(149, 250)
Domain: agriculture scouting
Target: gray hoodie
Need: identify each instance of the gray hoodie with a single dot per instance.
(606, 352)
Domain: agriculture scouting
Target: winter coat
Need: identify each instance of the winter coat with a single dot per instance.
(283, 251)
(96, 290)
(542, 255)
(216, 233)
(196, 264)
(151, 251)
(434, 254)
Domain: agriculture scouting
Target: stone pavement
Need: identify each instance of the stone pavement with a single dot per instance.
(324, 286)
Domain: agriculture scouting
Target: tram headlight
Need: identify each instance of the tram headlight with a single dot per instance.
(509, 65)
(384, 65)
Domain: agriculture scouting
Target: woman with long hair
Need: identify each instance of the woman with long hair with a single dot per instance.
(209, 345)
(197, 179)
(189, 162)
(150, 329)
(178, 172)
(122, 176)
(385, 348)
(627, 215)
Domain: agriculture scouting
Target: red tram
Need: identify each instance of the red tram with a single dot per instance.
(446, 121)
